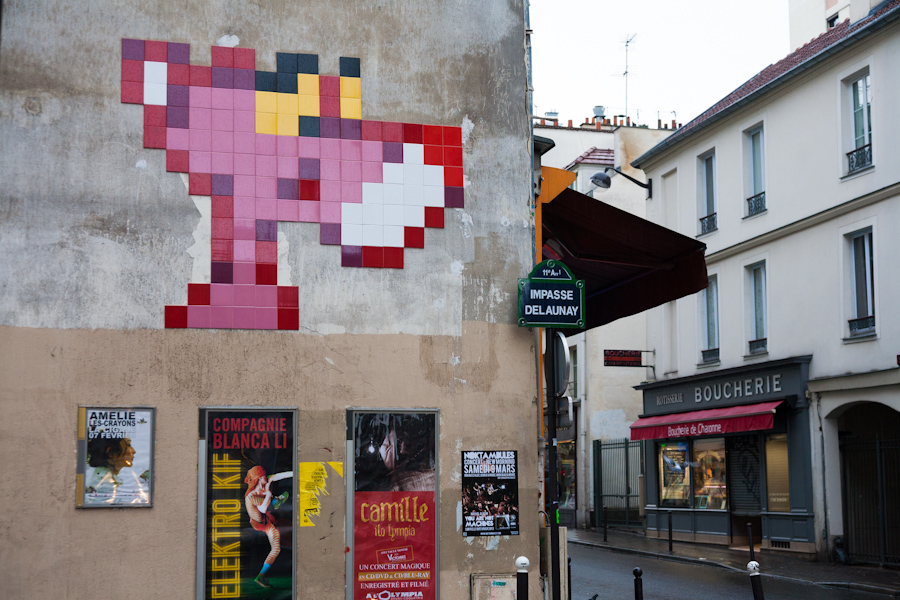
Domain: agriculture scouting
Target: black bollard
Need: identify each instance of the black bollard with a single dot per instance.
(522, 578)
(755, 580)
(605, 523)
(750, 538)
(570, 578)
(670, 531)
(638, 584)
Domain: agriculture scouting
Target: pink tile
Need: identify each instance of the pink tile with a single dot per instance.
(244, 185)
(201, 140)
(245, 100)
(351, 192)
(245, 142)
(201, 97)
(201, 162)
(351, 170)
(351, 149)
(221, 317)
(244, 272)
(288, 210)
(222, 163)
(198, 316)
(266, 187)
(267, 209)
(223, 98)
(330, 148)
(266, 166)
(330, 170)
(200, 118)
(244, 164)
(177, 139)
(222, 120)
(244, 207)
(371, 151)
(223, 141)
(245, 120)
(288, 167)
(267, 318)
(244, 229)
(308, 147)
(244, 317)
(267, 295)
(330, 191)
(286, 145)
(265, 144)
(221, 294)
(309, 211)
(330, 212)
(372, 172)
(245, 295)
(245, 251)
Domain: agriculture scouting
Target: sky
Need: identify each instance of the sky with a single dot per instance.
(684, 56)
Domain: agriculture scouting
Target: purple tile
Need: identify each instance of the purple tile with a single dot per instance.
(177, 95)
(266, 231)
(393, 152)
(179, 54)
(309, 168)
(330, 127)
(177, 116)
(330, 234)
(351, 256)
(453, 197)
(351, 129)
(132, 49)
(222, 77)
(221, 272)
(244, 79)
(288, 189)
(222, 185)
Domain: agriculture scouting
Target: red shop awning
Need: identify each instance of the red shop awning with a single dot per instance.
(713, 421)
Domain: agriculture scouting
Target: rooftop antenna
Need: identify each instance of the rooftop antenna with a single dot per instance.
(625, 74)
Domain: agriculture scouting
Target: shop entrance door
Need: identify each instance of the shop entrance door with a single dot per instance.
(744, 489)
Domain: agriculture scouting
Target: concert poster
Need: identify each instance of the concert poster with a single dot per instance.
(490, 493)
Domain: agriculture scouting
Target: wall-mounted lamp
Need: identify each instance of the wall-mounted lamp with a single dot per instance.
(602, 180)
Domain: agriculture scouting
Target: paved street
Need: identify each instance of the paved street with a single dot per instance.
(609, 574)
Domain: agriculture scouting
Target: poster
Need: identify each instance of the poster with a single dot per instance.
(490, 490)
(115, 463)
(395, 506)
(249, 504)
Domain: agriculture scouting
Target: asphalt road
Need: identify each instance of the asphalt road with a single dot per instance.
(609, 574)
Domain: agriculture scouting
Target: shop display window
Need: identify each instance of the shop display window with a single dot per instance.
(709, 474)
(674, 472)
(778, 489)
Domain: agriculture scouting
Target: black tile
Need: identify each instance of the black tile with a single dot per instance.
(287, 63)
(286, 83)
(309, 127)
(349, 67)
(308, 63)
(265, 81)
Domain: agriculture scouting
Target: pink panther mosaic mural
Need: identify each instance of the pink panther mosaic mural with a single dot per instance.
(285, 146)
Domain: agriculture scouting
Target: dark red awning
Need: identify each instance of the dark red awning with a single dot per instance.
(628, 263)
(713, 421)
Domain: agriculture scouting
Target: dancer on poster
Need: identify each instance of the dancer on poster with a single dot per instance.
(258, 500)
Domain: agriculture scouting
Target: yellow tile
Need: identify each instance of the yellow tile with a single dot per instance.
(351, 108)
(265, 123)
(286, 104)
(288, 125)
(307, 84)
(350, 87)
(308, 106)
(265, 102)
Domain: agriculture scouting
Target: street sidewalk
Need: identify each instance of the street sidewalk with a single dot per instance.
(772, 564)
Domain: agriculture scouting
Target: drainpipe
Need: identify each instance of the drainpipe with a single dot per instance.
(824, 489)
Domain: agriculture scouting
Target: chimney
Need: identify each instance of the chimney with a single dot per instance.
(606, 121)
(659, 123)
(616, 120)
(570, 122)
(598, 124)
(673, 123)
(628, 120)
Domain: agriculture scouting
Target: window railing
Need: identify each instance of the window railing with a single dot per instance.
(859, 158)
(711, 355)
(862, 325)
(756, 204)
(758, 346)
(708, 223)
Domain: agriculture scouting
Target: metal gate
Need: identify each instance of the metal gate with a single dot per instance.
(618, 466)
(871, 489)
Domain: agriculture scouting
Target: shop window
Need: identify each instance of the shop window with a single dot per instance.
(777, 474)
(674, 473)
(709, 474)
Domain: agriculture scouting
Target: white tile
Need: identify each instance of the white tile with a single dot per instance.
(393, 236)
(393, 214)
(414, 216)
(373, 214)
(351, 213)
(155, 94)
(413, 174)
(373, 193)
(434, 196)
(433, 175)
(413, 195)
(413, 154)
(373, 235)
(393, 193)
(392, 173)
(156, 72)
(351, 235)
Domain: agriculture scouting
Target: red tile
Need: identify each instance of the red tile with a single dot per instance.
(177, 161)
(414, 237)
(329, 106)
(267, 274)
(176, 316)
(309, 189)
(201, 76)
(154, 137)
(289, 318)
(200, 184)
(434, 155)
(133, 70)
(392, 132)
(329, 86)
(222, 251)
(179, 74)
(412, 133)
(453, 156)
(132, 92)
(372, 257)
(222, 57)
(288, 296)
(267, 252)
(198, 294)
(453, 176)
(222, 206)
(154, 116)
(157, 52)
(393, 258)
(434, 217)
(433, 135)
(222, 229)
(244, 58)
(371, 130)
(452, 136)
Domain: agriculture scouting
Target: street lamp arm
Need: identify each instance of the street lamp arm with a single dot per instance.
(647, 186)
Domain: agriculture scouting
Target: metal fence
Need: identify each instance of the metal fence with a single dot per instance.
(618, 465)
